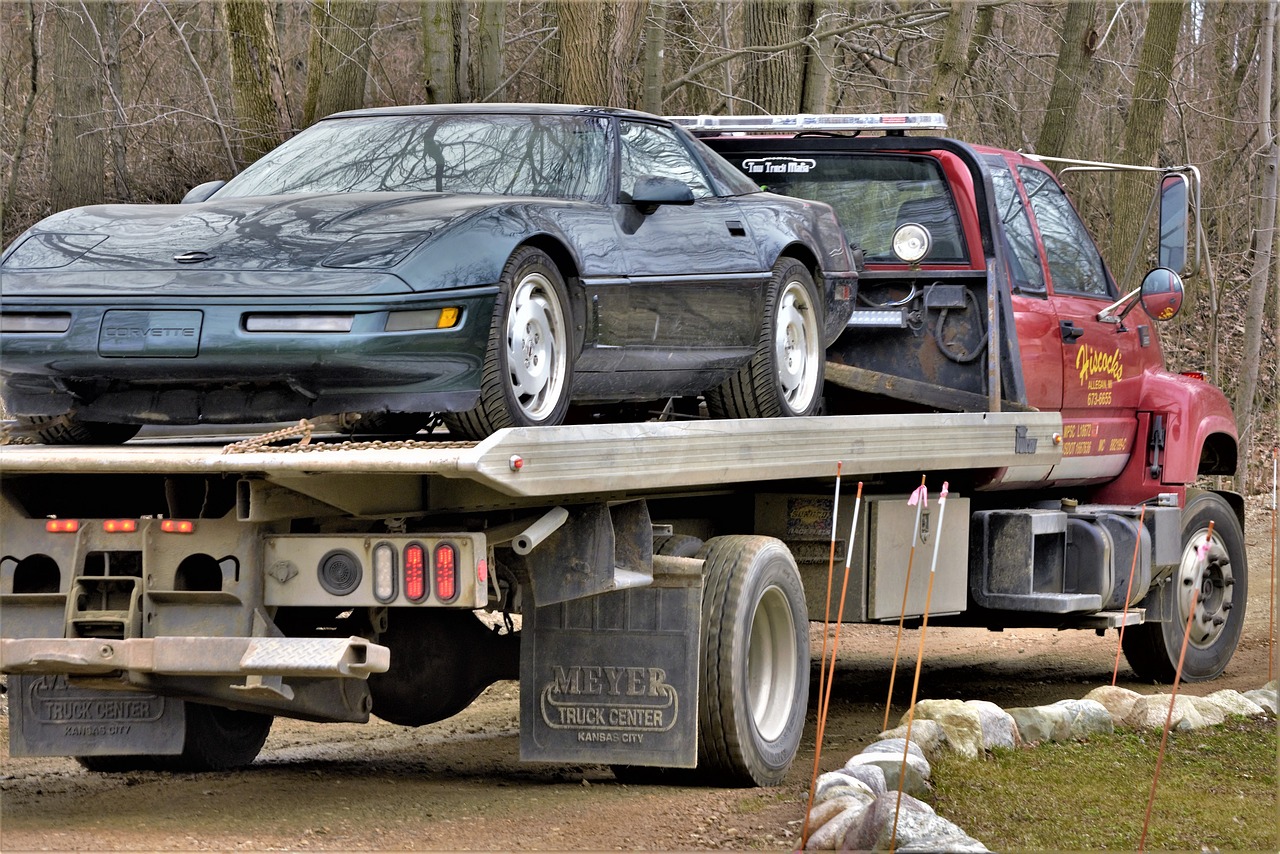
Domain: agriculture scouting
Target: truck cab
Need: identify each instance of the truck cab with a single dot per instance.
(983, 290)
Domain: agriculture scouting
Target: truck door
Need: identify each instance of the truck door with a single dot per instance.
(1102, 363)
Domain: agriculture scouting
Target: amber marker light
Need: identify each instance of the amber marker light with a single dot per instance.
(178, 526)
(62, 526)
(119, 526)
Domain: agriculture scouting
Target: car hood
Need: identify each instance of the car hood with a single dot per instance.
(276, 234)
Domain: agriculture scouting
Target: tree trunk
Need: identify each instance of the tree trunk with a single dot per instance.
(487, 58)
(1143, 127)
(77, 153)
(655, 35)
(773, 79)
(818, 56)
(952, 63)
(115, 95)
(1069, 76)
(255, 77)
(440, 22)
(584, 75)
(337, 57)
(1264, 238)
(24, 126)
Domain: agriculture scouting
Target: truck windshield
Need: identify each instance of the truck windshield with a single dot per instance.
(872, 196)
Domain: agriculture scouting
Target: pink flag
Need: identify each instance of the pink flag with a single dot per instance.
(920, 496)
(1203, 551)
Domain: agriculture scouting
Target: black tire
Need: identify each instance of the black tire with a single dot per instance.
(784, 377)
(70, 430)
(216, 739)
(754, 683)
(1152, 649)
(528, 364)
(677, 545)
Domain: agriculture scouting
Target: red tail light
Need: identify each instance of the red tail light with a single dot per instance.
(1195, 375)
(119, 526)
(178, 526)
(62, 526)
(446, 573)
(415, 579)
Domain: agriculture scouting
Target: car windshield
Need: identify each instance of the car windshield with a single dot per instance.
(564, 157)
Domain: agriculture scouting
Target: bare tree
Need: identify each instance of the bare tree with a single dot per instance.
(441, 20)
(338, 56)
(774, 77)
(655, 41)
(487, 58)
(32, 91)
(1078, 39)
(77, 152)
(952, 62)
(255, 76)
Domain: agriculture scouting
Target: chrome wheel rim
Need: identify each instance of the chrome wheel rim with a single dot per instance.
(537, 347)
(1215, 584)
(771, 664)
(798, 355)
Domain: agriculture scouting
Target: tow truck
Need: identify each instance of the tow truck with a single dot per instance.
(163, 602)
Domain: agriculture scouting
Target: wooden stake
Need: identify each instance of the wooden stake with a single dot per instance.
(919, 498)
(1128, 592)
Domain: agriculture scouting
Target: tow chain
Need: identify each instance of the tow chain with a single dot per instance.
(304, 428)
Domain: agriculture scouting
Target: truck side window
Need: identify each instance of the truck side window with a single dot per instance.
(1074, 263)
(1024, 256)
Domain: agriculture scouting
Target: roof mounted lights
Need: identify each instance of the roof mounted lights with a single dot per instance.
(800, 122)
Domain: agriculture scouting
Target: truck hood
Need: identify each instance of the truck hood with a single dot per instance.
(275, 234)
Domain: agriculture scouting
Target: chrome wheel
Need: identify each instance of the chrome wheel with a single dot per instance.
(771, 664)
(1214, 581)
(797, 351)
(537, 345)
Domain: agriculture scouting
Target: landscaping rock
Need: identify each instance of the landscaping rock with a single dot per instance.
(895, 746)
(830, 821)
(998, 728)
(836, 784)
(960, 722)
(871, 775)
(1038, 724)
(1118, 701)
(1087, 718)
(919, 828)
(1212, 712)
(930, 735)
(1150, 712)
(917, 780)
(1266, 700)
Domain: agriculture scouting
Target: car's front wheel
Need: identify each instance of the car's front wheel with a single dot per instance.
(784, 378)
(528, 367)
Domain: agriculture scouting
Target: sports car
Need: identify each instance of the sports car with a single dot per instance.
(489, 264)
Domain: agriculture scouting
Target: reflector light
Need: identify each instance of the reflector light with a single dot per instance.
(415, 579)
(446, 573)
(482, 571)
(384, 572)
(119, 526)
(1195, 375)
(890, 318)
(178, 526)
(62, 526)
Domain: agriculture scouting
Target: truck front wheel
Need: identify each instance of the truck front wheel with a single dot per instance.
(755, 662)
(1152, 649)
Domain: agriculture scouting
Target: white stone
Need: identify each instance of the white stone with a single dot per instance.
(917, 781)
(830, 834)
(837, 783)
(1118, 701)
(930, 735)
(960, 722)
(1038, 724)
(1150, 712)
(1264, 699)
(998, 727)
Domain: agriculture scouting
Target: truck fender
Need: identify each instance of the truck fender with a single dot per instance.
(1200, 429)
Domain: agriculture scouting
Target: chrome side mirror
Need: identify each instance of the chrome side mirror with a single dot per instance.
(1161, 293)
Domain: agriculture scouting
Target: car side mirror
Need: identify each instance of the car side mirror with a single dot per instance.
(1161, 294)
(202, 192)
(1173, 222)
(651, 191)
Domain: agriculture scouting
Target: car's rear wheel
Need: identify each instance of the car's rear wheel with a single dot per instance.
(528, 368)
(784, 378)
(70, 430)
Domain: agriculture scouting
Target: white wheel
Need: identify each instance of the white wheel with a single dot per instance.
(754, 682)
(537, 347)
(528, 367)
(798, 350)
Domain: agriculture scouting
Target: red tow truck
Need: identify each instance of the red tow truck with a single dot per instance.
(163, 601)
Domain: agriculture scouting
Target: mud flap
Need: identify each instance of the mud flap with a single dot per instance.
(48, 717)
(613, 678)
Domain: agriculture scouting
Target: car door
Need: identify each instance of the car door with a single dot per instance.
(1102, 362)
(692, 295)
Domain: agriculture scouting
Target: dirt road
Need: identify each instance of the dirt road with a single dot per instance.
(459, 785)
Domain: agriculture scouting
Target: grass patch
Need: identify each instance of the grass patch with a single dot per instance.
(1217, 790)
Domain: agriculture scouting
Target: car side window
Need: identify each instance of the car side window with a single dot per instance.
(1074, 263)
(1020, 241)
(653, 150)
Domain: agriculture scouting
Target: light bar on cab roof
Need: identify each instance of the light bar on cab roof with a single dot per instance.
(820, 122)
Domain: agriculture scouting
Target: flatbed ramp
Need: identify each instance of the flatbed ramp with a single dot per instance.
(545, 462)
